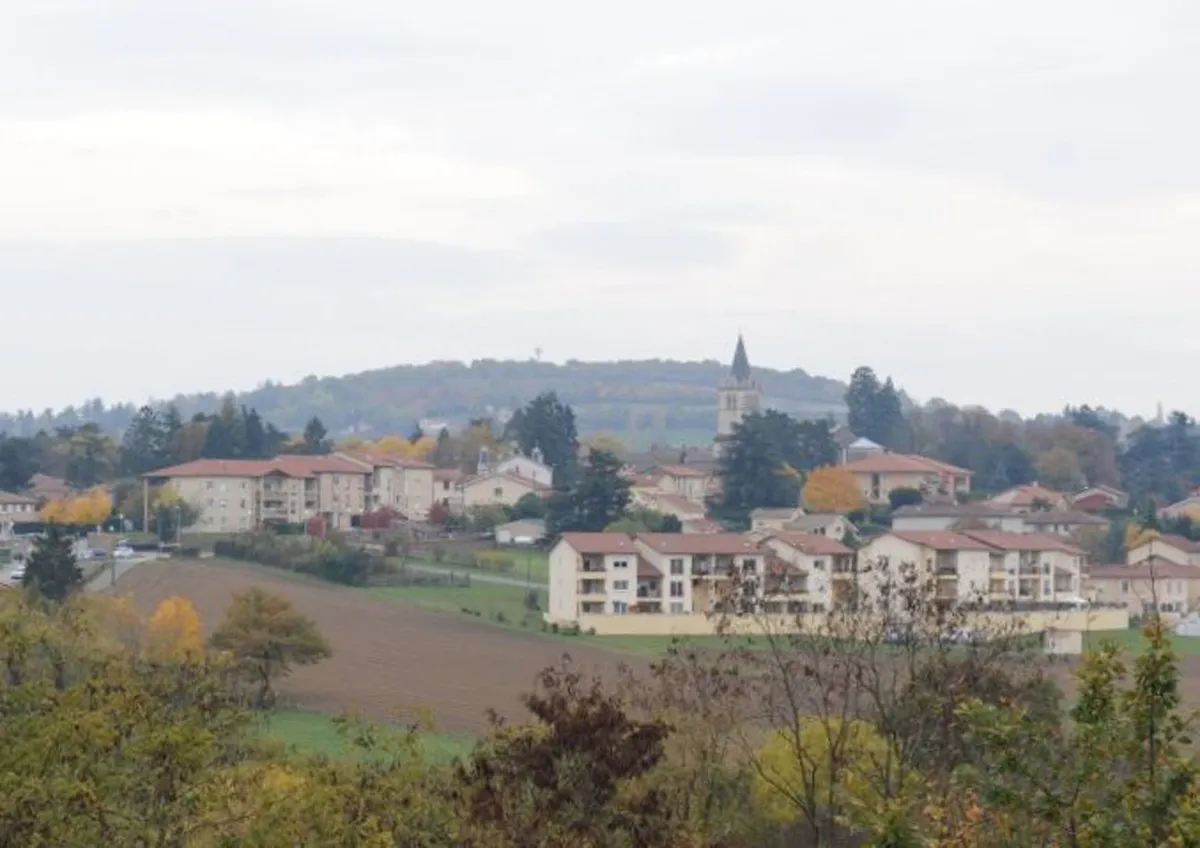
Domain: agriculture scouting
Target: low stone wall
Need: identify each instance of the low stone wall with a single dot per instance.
(702, 625)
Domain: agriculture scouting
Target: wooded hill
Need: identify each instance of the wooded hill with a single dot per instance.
(640, 401)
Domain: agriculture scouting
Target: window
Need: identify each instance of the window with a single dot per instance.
(677, 566)
(676, 588)
(498, 492)
(210, 502)
(1125, 586)
(749, 565)
(677, 608)
(819, 564)
(1178, 587)
(621, 563)
(620, 585)
(620, 607)
(243, 503)
(243, 485)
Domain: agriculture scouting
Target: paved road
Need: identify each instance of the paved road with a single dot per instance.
(476, 575)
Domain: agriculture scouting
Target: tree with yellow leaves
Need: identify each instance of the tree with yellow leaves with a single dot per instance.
(174, 631)
(832, 489)
(91, 507)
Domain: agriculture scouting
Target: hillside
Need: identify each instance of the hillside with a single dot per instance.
(642, 401)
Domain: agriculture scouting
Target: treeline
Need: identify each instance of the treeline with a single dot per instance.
(119, 731)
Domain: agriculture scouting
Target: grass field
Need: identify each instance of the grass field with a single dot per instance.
(531, 565)
(317, 734)
(1133, 642)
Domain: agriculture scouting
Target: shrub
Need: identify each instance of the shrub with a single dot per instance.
(439, 553)
(532, 602)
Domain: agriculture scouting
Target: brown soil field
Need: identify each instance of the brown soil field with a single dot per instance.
(389, 658)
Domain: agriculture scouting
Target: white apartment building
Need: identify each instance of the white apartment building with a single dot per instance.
(812, 562)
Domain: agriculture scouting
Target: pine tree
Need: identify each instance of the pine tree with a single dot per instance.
(860, 400)
(52, 571)
(142, 443)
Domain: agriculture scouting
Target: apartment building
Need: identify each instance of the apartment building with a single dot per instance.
(237, 495)
(1032, 567)
(1151, 585)
(651, 573)
(879, 474)
(404, 485)
(17, 508)
(446, 491)
(1177, 549)
(804, 567)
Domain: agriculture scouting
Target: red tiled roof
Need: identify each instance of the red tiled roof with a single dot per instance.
(291, 465)
(600, 543)
(1156, 568)
(1181, 543)
(302, 465)
(645, 568)
(452, 475)
(941, 540)
(812, 543)
(381, 459)
(1062, 517)
(16, 500)
(902, 463)
(516, 478)
(679, 504)
(698, 543)
(1006, 541)
(1027, 494)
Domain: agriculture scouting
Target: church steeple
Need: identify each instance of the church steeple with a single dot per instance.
(741, 362)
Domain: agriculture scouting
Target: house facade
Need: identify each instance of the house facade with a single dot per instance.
(15, 508)
(1176, 549)
(528, 467)
(496, 488)
(879, 474)
(1029, 497)
(810, 562)
(1152, 585)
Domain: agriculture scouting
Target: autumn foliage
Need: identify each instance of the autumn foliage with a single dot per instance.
(174, 631)
(91, 507)
(832, 489)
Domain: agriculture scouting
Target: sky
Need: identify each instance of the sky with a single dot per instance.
(993, 202)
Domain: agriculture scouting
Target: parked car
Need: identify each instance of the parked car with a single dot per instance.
(17, 574)
(123, 552)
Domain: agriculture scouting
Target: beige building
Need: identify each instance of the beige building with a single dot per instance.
(446, 491)
(1176, 549)
(668, 504)
(1028, 497)
(404, 485)
(496, 488)
(689, 483)
(797, 521)
(1032, 567)
(649, 573)
(1152, 584)
(14, 508)
(811, 562)
(237, 495)
(879, 474)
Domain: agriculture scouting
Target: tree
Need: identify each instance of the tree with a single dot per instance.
(315, 437)
(52, 571)
(257, 446)
(860, 401)
(547, 424)
(170, 433)
(645, 521)
(530, 505)
(225, 437)
(18, 463)
(171, 513)
(594, 501)
(142, 444)
(266, 637)
(174, 632)
(887, 416)
(762, 463)
(905, 496)
(832, 489)
(1059, 469)
(607, 442)
(90, 508)
(91, 457)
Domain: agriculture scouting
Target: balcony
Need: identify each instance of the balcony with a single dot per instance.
(712, 566)
(843, 564)
(592, 565)
(649, 591)
(592, 588)
(946, 565)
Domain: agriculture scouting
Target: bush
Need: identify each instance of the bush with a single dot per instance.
(329, 560)
(439, 553)
(494, 561)
(532, 602)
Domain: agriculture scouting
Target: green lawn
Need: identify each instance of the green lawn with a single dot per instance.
(529, 564)
(316, 734)
(1133, 642)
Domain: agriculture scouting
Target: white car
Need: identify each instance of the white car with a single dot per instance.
(123, 552)
(17, 574)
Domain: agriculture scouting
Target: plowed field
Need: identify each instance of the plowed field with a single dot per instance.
(388, 657)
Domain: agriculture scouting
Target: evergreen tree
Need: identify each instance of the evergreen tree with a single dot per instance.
(52, 571)
(417, 433)
(170, 437)
(274, 440)
(548, 424)
(860, 400)
(887, 417)
(226, 434)
(315, 440)
(18, 463)
(597, 499)
(141, 446)
(256, 435)
(762, 465)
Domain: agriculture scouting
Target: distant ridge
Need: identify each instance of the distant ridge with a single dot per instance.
(641, 401)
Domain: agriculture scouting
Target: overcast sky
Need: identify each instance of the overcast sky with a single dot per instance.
(995, 202)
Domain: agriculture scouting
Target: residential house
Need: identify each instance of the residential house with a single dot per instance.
(1061, 522)
(773, 518)
(879, 474)
(524, 531)
(1029, 497)
(676, 505)
(1189, 507)
(1153, 584)
(699, 567)
(43, 487)
(811, 562)
(822, 524)
(596, 574)
(236, 495)
(922, 517)
(446, 491)
(1166, 546)
(682, 480)
(497, 488)
(1099, 499)
(15, 508)
(861, 448)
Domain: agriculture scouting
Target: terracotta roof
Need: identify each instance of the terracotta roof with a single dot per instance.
(699, 543)
(16, 500)
(1006, 541)
(680, 471)
(380, 459)
(941, 540)
(701, 525)
(902, 463)
(452, 475)
(679, 504)
(773, 512)
(953, 511)
(1181, 543)
(1062, 517)
(45, 486)
(645, 568)
(600, 543)
(1026, 495)
(291, 465)
(808, 523)
(1144, 570)
(304, 465)
(812, 544)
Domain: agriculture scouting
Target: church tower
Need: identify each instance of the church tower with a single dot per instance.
(738, 395)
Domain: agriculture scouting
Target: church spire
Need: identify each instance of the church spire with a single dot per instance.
(741, 363)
